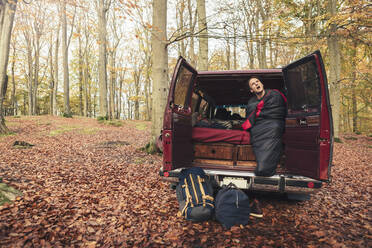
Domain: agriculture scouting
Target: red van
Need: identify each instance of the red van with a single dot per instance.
(226, 154)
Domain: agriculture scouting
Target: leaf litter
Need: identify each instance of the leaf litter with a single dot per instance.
(74, 193)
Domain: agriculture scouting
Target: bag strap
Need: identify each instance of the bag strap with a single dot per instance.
(188, 195)
(194, 189)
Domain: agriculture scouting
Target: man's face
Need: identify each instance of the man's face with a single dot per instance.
(255, 85)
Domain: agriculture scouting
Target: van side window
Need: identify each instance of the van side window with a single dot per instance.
(304, 88)
(203, 107)
(194, 102)
(182, 87)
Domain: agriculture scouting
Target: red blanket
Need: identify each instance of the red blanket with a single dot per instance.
(202, 134)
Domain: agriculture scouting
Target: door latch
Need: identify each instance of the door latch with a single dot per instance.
(303, 121)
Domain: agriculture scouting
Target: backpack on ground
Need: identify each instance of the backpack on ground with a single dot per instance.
(232, 206)
(195, 195)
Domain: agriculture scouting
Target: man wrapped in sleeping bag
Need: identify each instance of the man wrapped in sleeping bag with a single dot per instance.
(266, 123)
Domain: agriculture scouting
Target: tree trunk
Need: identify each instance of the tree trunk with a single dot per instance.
(353, 86)
(13, 97)
(121, 79)
(234, 49)
(160, 67)
(192, 28)
(112, 85)
(334, 69)
(181, 28)
(80, 66)
(86, 83)
(36, 71)
(102, 59)
(228, 51)
(51, 84)
(203, 36)
(66, 81)
(248, 25)
(29, 71)
(55, 86)
(7, 11)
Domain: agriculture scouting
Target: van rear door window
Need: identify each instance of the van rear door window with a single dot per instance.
(182, 87)
(303, 88)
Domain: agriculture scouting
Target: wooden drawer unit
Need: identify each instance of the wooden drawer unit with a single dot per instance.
(214, 151)
(245, 153)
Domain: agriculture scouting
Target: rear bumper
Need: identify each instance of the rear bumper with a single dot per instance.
(276, 183)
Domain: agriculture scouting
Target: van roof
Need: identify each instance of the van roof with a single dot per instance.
(229, 72)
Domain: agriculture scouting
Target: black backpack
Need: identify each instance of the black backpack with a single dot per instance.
(195, 195)
(232, 206)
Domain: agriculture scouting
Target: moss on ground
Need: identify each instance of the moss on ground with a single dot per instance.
(7, 193)
(115, 123)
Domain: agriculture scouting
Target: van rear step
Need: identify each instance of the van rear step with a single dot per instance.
(278, 183)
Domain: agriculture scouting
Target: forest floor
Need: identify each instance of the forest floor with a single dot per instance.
(89, 184)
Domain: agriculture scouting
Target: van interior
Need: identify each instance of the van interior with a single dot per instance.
(219, 109)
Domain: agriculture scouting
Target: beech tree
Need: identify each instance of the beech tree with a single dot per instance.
(66, 80)
(102, 8)
(335, 68)
(203, 36)
(160, 67)
(7, 11)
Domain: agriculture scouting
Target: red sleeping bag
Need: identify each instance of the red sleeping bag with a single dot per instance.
(209, 135)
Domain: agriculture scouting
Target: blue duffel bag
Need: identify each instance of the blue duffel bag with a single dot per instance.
(232, 206)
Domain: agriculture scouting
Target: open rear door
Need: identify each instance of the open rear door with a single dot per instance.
(309, 130)
(177, 127)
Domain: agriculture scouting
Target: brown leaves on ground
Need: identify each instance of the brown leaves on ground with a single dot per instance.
(88, 184)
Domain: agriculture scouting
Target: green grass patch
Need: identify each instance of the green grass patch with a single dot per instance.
(7, 134)
(62, 129)
(74, 128)
(141, 126)
(12, 124)
(139, 160)
(42, 123)
(351, 138)
(7, 193)
(102, 118)
(115, 123)
(88, 131)
(66, 115)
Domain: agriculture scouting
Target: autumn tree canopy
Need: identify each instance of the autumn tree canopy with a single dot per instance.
(96, 58)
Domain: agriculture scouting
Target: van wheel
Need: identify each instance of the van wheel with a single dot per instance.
(173, 186)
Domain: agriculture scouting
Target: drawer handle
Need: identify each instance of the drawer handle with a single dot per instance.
(213, 151)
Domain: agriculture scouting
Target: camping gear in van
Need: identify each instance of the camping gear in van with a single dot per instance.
(232, 206)
(195, 195)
